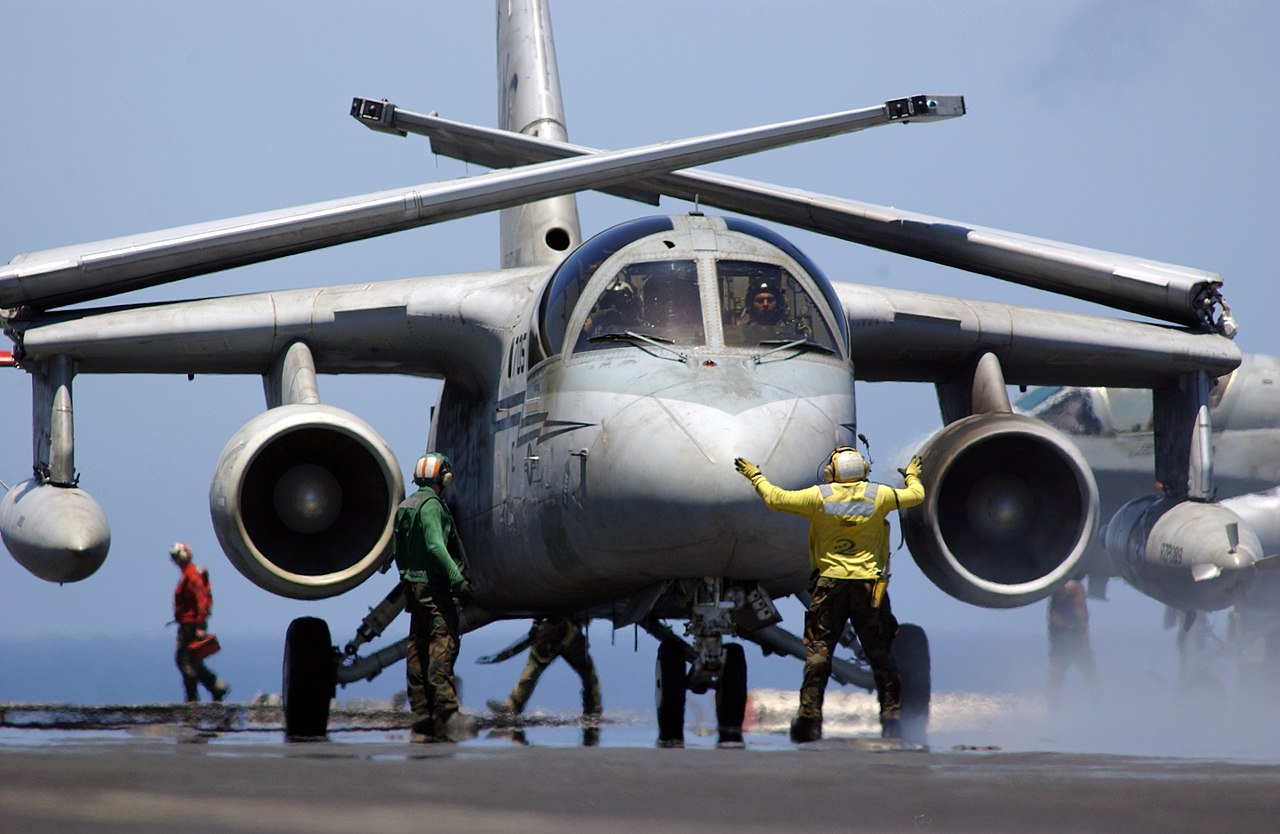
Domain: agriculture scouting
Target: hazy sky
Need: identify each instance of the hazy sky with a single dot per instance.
(1144, 128)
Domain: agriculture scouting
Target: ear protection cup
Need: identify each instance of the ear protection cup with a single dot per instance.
(432, 468)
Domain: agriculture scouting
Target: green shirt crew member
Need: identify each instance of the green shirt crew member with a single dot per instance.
(432, 564)
(849, 554)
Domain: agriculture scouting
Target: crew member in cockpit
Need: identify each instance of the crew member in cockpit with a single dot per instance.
(765, 317)
(615, 312)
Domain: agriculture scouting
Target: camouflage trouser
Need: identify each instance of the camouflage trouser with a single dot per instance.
(194, 671)
(834, 602)
(1068, 648)
(433, 634)
(556, 640)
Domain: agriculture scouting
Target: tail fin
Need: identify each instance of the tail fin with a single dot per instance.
(529, 102)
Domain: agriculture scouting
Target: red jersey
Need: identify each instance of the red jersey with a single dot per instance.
(192, 601)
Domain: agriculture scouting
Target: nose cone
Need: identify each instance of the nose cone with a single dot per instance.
(660, 478)
(60, 534)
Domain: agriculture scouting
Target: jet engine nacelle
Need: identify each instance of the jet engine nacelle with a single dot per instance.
(58, 533)
(1188, 554)
(1010, 505)
(303, 500)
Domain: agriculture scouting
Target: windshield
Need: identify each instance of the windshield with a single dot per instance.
(655, 299)
(763, 303)
(573, 275)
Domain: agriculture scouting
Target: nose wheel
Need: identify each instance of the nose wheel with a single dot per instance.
(672, 679)
(731, 696)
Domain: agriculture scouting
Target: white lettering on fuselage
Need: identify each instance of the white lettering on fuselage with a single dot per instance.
(516, 355)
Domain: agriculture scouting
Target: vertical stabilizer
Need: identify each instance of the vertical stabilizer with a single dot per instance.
(529, 102)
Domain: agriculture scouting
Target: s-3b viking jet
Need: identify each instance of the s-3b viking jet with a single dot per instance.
(596, 392)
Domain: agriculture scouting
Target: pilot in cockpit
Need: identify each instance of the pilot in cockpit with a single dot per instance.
(658, 300)
(765, 305)
(766, 316)
(615, 311)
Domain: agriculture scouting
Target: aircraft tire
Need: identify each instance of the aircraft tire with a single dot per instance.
(672, 681)
(911, 651)
(731, 696)
(308, 678)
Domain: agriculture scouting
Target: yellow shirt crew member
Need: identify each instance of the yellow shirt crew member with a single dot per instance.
(849, 552)
(848, 523)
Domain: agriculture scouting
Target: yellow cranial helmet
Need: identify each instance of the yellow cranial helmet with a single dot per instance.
(846, 465)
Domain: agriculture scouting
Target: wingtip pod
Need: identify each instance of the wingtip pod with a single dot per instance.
(1189, 554)
(60, 534)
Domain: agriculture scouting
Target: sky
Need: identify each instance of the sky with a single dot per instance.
(1140, 128)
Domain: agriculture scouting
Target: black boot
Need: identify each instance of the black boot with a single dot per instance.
(805, 729)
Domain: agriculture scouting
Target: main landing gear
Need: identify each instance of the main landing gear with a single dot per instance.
(313, 666)
(309, 681)
(911, 651)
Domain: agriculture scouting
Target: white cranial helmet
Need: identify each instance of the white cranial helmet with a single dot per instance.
(846, 466)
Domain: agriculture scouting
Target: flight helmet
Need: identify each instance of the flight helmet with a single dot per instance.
(433, 469)
(762, 308)
(846, 465)
(618, 296)
(181, 552)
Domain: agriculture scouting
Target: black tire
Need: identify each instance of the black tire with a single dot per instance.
(309, 678)
(672, 679)
(731, 695)
(911, 651)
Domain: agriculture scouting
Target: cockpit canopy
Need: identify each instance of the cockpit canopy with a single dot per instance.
(693, 281)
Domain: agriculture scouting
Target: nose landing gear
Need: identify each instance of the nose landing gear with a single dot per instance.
(716, 609)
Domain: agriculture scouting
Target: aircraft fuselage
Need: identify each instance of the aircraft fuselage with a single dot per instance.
(603, 469)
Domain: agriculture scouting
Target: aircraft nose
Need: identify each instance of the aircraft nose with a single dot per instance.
(661, 476)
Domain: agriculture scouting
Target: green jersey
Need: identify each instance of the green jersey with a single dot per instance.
(426, 544)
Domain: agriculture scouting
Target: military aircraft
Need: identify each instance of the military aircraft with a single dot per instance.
(1189, 558)
(595, 467)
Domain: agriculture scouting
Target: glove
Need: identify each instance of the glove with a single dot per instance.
(462, 593)
(746, 468)
(913, 468)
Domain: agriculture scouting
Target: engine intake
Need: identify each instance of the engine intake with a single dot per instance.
(303, 500)
(1010, 506)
